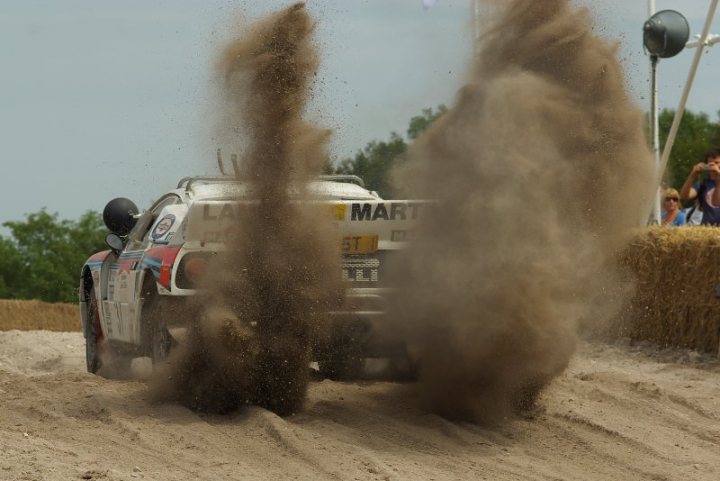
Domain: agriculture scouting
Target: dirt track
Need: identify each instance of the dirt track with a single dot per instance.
(619, 412)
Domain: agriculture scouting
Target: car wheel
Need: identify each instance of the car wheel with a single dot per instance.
(404, 369)
(157, 341)
(280, 383)
(341, 363)
(162, 343)
(100, 359)
(92, 332)
(341, 357)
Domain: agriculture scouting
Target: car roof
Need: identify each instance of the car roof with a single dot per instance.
(330, 190)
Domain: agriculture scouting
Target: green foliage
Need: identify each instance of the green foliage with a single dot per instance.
(43, 256)
(420, 123)
(696, 135)
(11, 268)
(374, 162)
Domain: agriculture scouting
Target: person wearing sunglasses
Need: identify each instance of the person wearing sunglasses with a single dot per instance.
(705, 190)
(672, 215)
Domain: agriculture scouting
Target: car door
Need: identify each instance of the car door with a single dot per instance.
(127, 274)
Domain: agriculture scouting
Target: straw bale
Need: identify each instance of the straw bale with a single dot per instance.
(28, 315)
(677, 276)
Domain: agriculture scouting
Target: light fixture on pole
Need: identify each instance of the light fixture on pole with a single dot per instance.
(712, 39)
(705, 39)
(665, 34)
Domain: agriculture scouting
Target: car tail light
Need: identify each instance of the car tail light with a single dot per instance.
(191, 270)
(194, 268)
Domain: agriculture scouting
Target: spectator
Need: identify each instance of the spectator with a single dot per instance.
(693, 215)
(672, 215)
(705, 190)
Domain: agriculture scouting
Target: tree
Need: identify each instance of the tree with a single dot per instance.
(43, 258)
(420, 123)
(696, 135)
(11, 269)
(374, 162)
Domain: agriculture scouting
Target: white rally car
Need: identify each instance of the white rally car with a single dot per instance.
(156, 256)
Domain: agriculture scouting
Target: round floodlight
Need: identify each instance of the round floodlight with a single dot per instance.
(666, 33)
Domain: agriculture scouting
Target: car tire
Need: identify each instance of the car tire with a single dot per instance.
(341, 363)
(92, 354)
(280, 383)
(100, 359)
(404, 369)
(156, 339)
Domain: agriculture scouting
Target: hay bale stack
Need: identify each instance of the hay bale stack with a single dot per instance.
(677, 272)
(27, 315)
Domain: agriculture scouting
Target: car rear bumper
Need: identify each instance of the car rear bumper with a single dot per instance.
(361, 321)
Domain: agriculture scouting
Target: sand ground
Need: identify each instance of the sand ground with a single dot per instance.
(619, 412)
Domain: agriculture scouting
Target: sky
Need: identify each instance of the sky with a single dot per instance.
(103, 99)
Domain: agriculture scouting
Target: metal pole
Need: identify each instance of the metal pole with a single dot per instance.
(712, 39)
(655, 132)
(654, 122)
(476, 26)
(686, 92)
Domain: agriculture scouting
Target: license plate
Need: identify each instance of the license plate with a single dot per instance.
(361, 270)
(359, 244)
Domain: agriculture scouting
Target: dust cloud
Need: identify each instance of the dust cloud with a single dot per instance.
(253, 332)
(540, 170)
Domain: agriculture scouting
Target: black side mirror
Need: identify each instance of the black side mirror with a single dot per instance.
(114, 242)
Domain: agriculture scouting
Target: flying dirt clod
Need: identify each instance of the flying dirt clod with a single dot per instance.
(540, 170)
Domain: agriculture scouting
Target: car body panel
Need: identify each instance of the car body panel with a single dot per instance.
(201, 216)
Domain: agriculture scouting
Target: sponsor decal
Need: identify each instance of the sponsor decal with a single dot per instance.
(384, 211)
(338, 211)
(160, 261)
(234, 211)
(163, 227)
(399, 235)
(226, 235)
(222, 212)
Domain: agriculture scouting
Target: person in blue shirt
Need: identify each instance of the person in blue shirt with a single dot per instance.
(672, 215)
(704, 190)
